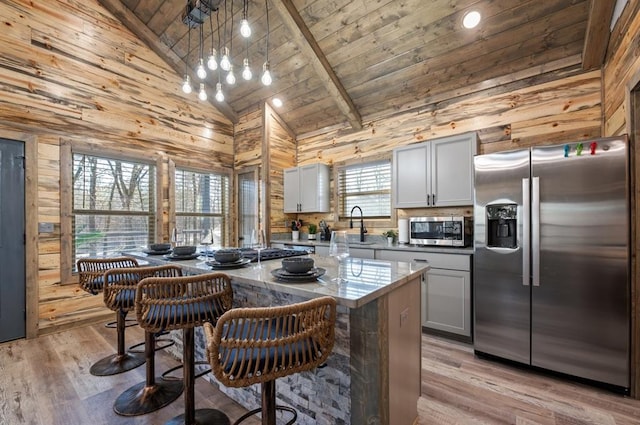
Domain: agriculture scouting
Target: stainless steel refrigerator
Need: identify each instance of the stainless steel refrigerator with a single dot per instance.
(551, 259)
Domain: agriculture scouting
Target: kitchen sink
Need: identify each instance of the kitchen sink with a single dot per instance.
(361, 243)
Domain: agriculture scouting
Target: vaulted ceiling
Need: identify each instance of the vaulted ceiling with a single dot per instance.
(339, 63)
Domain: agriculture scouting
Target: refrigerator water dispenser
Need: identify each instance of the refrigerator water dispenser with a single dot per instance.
(502, 224)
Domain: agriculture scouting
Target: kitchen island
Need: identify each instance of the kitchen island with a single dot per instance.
(373, 374)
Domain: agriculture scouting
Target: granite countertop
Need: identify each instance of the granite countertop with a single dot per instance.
(382, 246)
(366, 280)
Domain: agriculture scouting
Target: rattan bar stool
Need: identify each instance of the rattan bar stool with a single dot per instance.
(165, 304)
(91, 271)
(154, 392)
(91, 275)
(259, 345)
(119, 295)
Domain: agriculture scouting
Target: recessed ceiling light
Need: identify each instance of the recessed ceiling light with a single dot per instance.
(277, 102)
(471, 19)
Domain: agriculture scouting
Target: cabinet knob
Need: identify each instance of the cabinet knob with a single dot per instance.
(433, 198)
(428, 199)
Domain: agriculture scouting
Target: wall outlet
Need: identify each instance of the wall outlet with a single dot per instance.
(44, 227)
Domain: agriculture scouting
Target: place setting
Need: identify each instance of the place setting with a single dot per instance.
(182, 253)
(227, 259)
(158, 249)
(298, 270)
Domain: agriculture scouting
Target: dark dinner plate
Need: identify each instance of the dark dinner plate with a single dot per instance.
(174, 257)
(284, 276)
(152, 252)
(231, 265)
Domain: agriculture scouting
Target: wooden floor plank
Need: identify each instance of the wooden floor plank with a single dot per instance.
(46, 381)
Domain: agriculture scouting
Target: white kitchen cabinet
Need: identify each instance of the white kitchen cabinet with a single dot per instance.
(306, 188)
(446, 290)
(437, 173)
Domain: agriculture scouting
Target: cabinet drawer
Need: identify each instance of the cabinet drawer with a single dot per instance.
(436, 260)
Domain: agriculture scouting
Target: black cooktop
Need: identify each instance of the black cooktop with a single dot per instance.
(270, 253)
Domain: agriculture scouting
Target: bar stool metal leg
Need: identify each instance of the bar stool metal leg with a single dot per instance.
(152, 394)
(192, 416)
(123, 360)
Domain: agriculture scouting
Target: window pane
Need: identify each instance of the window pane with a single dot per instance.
(367, 186)
(247, 206)
(108, 184)
(113, 205)
(201, 193)
(102, 235)
(202, 207)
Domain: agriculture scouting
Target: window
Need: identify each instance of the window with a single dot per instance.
(113, 205)
(248, 205)
(367, 186)
(202, 207)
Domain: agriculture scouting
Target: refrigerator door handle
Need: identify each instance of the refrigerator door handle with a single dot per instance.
(526, 225)
(535, 230)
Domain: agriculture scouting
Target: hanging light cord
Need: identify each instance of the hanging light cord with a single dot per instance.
(225, 23)
(186, 60)
(219, 38)
(231, 37)
(211, 28)
(266, 7)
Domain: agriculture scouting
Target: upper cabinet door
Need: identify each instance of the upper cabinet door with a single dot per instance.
(306, 188)
(291, 190)
(411, 184)
(437, 173)
(452, 169)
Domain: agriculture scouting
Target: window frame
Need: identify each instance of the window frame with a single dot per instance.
(175, 164)
(370, 223)
(68, 149)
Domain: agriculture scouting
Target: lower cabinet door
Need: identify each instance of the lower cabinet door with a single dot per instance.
(447, 301)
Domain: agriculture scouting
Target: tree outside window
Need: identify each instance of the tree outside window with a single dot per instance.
(113, 205)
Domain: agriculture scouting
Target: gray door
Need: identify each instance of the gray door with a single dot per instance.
(580, 308)
(12, 241)
(501, 283)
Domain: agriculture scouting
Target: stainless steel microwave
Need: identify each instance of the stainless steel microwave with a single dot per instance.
(441, 231)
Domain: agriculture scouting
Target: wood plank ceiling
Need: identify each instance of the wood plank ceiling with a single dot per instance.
(339, 63)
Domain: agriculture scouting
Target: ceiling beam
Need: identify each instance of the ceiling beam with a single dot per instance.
(310, 48)
(597, 35)
(137, 27)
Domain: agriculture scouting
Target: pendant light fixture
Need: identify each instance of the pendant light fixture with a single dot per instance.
(202, 94)
(212, 61)
(246, 70)
(186, 84)
(219, 94)
(220, 52)
(266, 67)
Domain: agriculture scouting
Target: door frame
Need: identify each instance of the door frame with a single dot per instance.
(31, 226)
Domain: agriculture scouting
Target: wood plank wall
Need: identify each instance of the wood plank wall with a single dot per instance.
(621, 74)
(282, 154)
(70, 71)
(264, 140)
(527, 113)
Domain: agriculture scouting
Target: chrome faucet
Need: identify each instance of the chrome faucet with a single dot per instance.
(363, 229)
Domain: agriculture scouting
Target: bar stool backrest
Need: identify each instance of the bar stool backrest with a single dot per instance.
(169, 303)
(120, 287)
(91, 271)
(256, 345)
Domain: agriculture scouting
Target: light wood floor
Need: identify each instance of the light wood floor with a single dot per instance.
(46, 381)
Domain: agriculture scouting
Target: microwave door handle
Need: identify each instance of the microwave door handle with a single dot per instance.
(526, 226)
